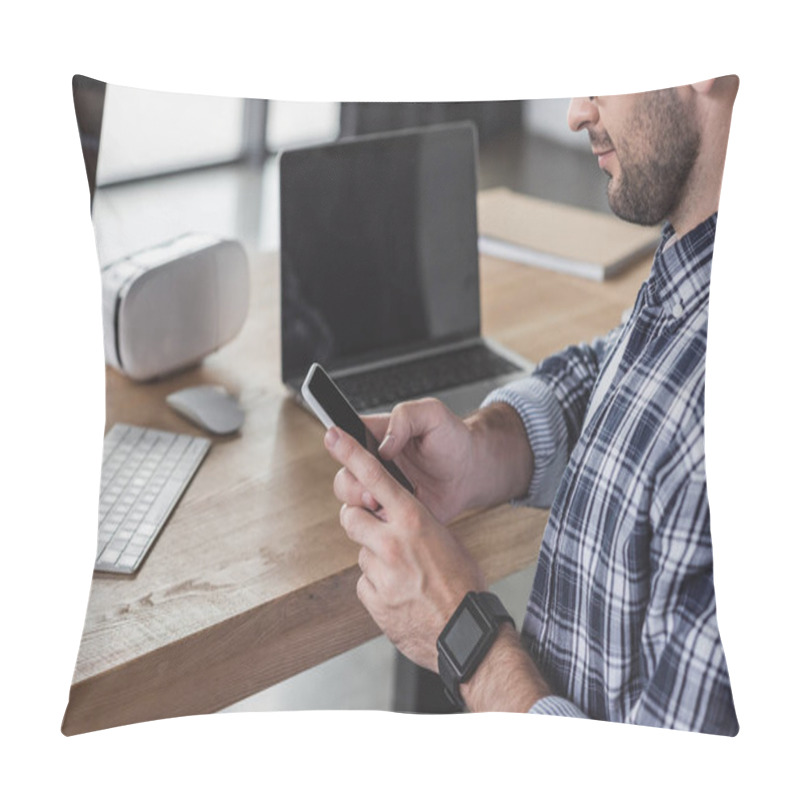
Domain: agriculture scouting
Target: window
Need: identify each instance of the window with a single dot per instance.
(148, 133)
(293, 124)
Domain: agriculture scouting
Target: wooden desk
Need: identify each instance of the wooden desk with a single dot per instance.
(253, 580)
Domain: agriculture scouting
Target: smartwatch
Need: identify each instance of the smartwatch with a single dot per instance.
(466, 639)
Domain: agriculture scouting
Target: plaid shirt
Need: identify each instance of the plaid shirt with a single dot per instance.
(622, 616)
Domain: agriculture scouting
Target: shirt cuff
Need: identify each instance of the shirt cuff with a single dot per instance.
(537, 407)
(553, 706)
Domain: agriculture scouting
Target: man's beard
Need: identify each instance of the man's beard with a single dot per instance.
(650, 186)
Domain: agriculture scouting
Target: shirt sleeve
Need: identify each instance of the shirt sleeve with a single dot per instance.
(552, 403)
(554, 706)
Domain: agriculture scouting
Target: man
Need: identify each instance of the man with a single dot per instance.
(621, 623)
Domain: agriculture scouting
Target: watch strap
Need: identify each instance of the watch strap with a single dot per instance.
(492, 611)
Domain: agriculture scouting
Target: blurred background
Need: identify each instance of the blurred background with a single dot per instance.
(163, 164)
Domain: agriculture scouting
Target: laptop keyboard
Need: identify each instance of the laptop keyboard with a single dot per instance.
(425, 376)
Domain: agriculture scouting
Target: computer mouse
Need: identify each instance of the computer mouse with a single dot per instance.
(209, 407)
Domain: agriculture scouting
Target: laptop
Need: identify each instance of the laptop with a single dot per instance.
(379, 270)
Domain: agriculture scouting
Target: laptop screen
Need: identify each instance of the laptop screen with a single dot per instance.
(379, 249)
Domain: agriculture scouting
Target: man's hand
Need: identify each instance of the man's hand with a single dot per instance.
(414, 571)
(414, 575)
(454, 464)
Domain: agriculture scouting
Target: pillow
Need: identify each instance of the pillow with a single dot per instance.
(247, 597)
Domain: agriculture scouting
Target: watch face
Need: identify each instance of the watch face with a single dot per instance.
(463, 635)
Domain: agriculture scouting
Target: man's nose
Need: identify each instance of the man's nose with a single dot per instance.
(582, 112)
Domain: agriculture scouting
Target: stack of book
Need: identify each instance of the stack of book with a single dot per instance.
(554, 236)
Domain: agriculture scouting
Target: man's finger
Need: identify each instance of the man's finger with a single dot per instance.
(365, 558)
(364, 467)
(350, 491)
(377, 424)
(367, 593)
(361, 526)
(408, 421)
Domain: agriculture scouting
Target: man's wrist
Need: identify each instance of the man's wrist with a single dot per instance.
(500, 444)
(506, 679)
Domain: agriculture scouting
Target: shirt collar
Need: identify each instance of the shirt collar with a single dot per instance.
(681, 270)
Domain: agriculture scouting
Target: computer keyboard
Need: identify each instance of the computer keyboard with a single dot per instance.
(145, 472)
(388, 385)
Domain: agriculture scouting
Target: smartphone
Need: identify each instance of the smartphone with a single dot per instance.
(332, 407)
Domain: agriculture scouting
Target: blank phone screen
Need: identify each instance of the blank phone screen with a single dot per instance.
(344, 416)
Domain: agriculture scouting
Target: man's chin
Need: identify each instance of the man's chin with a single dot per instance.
(614, 202)
(626, 211)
